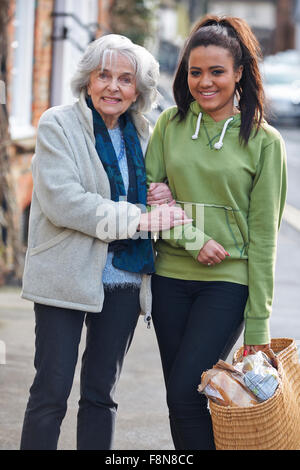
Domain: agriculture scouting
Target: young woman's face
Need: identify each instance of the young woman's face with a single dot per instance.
(113, 89)
(212, 79)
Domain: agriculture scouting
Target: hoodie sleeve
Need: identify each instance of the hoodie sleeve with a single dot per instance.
(266, 208)
(189, 237)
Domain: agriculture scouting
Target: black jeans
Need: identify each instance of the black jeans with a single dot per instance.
(58, 332)
(196, 323)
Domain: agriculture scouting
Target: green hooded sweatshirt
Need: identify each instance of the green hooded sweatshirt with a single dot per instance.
(235, 194)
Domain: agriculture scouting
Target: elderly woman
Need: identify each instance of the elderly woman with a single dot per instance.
(89, 257)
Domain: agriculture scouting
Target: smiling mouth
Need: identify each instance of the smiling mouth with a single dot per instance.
(107, 99)
(208, 93)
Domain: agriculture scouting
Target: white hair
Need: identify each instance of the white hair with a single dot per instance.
(145, 65)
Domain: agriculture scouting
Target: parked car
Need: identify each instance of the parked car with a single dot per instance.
(289, 57)
(281, 75)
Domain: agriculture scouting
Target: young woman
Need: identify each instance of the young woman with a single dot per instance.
(227, 166)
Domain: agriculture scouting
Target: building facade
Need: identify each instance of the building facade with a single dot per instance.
(274, 22)
(46, 39)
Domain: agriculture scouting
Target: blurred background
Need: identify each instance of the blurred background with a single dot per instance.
(41, 42)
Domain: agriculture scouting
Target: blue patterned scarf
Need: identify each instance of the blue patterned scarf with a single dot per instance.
(129, 255)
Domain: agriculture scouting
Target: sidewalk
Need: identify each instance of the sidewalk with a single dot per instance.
(142, 421)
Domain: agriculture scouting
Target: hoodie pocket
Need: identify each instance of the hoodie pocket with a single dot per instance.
(50, 243)
(222, 223)
(225, 225)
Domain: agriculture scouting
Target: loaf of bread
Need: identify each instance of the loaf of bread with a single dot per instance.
(224, 385)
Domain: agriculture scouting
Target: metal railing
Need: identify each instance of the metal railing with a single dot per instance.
(90, 28)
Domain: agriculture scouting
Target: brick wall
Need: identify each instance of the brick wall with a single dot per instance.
(42, 58)
(104, 16)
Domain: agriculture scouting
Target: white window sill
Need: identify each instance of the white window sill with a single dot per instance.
(18, 132)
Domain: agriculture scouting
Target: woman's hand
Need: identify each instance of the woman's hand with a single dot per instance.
(162, 218)
(253, 348)
(212, 253)
(159, 193)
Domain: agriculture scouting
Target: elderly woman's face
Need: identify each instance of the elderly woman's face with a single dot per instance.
(113, 89)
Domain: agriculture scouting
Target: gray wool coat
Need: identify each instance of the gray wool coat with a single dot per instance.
(72, 217)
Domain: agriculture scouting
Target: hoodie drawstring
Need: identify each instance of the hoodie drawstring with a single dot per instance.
(195, 136)
(218, 145)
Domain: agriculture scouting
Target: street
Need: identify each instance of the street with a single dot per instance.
(142, 421)
(292, 140)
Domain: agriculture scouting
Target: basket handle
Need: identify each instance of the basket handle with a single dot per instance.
(274, 359)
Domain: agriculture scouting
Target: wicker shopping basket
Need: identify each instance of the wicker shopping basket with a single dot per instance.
(271, 425)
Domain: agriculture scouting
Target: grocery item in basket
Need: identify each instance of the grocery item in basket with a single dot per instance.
(225, 386)
(259, 375)
(263, 387)
(258, 361)
(247, 383)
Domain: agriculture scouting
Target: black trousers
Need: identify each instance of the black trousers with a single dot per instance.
(58, 332)
(196, 323)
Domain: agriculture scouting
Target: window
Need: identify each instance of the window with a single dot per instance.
(21, 90)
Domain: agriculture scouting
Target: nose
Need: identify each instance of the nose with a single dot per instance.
(205, 80)
(113, 84)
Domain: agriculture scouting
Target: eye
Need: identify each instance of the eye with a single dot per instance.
(126, 80)
(195, 73)
(217, 72)
(103, 76)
